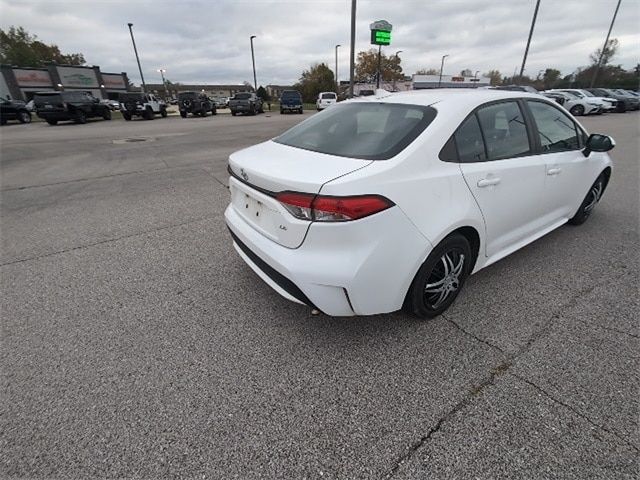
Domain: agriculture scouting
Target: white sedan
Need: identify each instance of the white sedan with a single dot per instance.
(393, 200)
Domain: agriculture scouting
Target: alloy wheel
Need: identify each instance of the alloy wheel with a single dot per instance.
(594, 196)
(445, 278)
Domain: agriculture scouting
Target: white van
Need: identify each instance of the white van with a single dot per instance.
(326, 99)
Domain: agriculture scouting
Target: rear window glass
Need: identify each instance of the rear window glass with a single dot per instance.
(371, 131)
(290, 94)
(328, 96)
(242, 96)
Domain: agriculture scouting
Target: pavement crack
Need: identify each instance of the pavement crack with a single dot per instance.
(574, 410)
(80, 247)
(475, 337)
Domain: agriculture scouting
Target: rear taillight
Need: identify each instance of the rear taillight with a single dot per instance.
(322, 208)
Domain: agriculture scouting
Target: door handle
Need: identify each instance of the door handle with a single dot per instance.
(554, 171)
(487, 182)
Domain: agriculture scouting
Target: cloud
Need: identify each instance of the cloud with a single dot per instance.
(208, 41)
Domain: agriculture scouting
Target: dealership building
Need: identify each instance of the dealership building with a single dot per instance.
(20, 83)
(449, 81)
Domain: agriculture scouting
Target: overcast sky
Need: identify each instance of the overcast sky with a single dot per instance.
(208, 41)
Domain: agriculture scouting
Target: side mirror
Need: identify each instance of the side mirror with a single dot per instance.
(598, 143)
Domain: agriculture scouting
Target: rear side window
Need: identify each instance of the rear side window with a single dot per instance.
(504, 129)
(371, 131)
(468, 140)
(556, 131)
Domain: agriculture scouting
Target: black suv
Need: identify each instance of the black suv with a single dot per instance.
(195, 103)
(13, 110)
(76, 106)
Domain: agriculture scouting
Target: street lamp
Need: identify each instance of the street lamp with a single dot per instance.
(337, 83)
(253, 61)
(164, 83)
(441, 67)
(144, 87)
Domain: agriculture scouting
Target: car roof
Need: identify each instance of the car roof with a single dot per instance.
(450, 97)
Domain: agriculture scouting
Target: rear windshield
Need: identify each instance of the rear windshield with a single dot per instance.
(242, 96)
(131, 97)
(328, 96)
(371, 131)
(45, 97)
(290, 94)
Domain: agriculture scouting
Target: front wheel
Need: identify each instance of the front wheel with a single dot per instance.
(81, 117)
(440, 278)
(214, 111)
(106, 115)
(590, 201)
(148, 114)
(24, 117)
(126, 116)
(183, 114)
(577, 110)
(163, 112)
(233, 113)
(52, 122)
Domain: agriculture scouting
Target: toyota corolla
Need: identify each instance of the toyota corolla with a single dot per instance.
(393, 200)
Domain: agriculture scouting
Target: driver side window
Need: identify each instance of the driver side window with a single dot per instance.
(556, 131)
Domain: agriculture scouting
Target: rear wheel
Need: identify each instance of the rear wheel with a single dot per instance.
(81, 117)
(590, 201)
(577, 110)
(183, 114)
(24, 117)
(214, 111)
(163, 112)
(300, 111)
(440, 278)
(52, 122)
(148, 114)
(106, 114)
(126, 116)
(233, 114)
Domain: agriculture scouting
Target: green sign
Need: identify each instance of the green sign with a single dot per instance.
(380, 37)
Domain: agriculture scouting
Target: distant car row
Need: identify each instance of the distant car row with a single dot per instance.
(587, 101)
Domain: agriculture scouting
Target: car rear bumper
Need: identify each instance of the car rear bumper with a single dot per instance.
(343, 269)
(290, 107)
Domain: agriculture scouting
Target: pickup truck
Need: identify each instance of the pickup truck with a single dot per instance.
(291, 101)
(245, 102)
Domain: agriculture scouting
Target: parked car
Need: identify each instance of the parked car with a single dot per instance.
(332, 212)
(220, 102)
(559, 98)
(291, 101)
(54, 107)
(112, 104)
(326, 99)
(14, 110)
(245, 102)
(196, 103)
(605, 104)
(611, 104)
(145, 105)
(623, 102)
(632, 100)
(576, 105)
(517, 88)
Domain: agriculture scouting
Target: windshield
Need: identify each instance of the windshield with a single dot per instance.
(587, 93)
(242, 96)
(371, 131)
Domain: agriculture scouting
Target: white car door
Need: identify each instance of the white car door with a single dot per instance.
(569, 173)
(505, 177)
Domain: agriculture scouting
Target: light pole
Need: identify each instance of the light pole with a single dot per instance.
(526, 50)
(352, 55)
(441, 68)
(253, 61)
(337, 82)
(164, 83)
(595, 73)
(133, 40)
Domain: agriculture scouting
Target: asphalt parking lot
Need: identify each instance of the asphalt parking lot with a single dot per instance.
(137, 344)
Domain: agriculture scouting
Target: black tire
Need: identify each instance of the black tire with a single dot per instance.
(261, 110)
(126, 116)
(80, 117)
(148, 114)
(253, 111)
(163, 112)
(214, 111)
(300, 111)
(577, 110)
(52, 122)
(233, 114)
(3, 121)
(444, 271)
(203, 113)
(106, 114)
(24, 117)
(590, 201)
(281, 112)
(183, 114)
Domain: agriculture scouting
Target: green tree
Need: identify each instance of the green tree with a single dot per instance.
(610, 51)
(19, 47)
(262, 93)
(494, 75)
(367, 67)
(319, 78)
(550, 78)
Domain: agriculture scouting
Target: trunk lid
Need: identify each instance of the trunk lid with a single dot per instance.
(263, 170)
